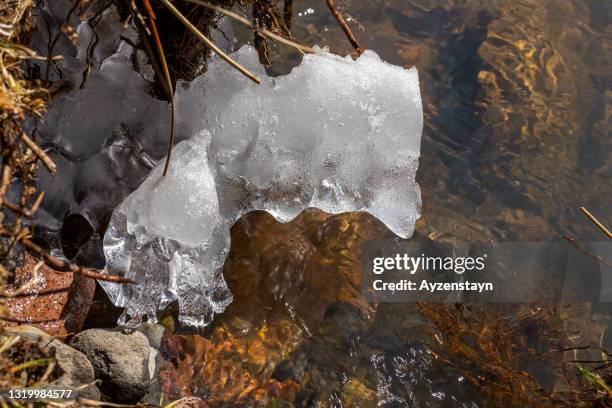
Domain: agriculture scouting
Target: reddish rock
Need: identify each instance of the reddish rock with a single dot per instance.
(56, 302)
(190, 402)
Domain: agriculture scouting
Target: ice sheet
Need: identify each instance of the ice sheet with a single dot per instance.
(336, 134)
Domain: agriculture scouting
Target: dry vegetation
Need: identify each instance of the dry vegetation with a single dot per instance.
(493, 352)
(19, 99)
(23, 364)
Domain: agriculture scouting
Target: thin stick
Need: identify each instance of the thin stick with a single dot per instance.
(49, 164)
(5, 180)
(40, 58)
(144, 34)
(36, 204)
(575, 243)
(29, 213)
(596, 222)
(9, 343)
(209, 43)
(169, 90)
(46, 375)
(344, 26)
(252, 26)
(65, 266)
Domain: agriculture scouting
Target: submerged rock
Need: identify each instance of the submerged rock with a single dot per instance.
(119, 359)
(190, 402)
(336, 134)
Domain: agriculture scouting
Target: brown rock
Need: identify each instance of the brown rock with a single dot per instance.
(190, 402)
(56, 302)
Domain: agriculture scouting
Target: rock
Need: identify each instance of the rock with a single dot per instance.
(120, 360)
(75, 369)
(154, 393)
(190, 402)
(152, 363)
(56, 302)
(153, 332)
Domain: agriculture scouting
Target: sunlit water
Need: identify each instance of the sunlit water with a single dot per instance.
(518, 105)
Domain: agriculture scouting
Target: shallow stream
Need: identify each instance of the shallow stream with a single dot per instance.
(517, 105)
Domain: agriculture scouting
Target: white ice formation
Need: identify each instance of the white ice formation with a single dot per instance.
(107, 131)
(336, 134)
(170, 238)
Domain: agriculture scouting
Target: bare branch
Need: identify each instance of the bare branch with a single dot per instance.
(344, 26)
(65, 266)
(252, 26)
(596, 222)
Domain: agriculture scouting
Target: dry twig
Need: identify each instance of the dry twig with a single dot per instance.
(596, 222)
(49, 164)
(344, 26)
(579, 247)
(168, 80)
(21, 98)
(65, 266)
(252, 26)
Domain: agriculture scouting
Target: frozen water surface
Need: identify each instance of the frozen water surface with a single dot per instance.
(336, 134)
(107, 131)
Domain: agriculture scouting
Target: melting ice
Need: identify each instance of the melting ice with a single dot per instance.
(107, 131)
(336, 134)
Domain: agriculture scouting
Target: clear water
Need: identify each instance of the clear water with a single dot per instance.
(518, 102)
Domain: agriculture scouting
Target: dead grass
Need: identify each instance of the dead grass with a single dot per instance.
(492, 351)
(20, 98)
(23, 364)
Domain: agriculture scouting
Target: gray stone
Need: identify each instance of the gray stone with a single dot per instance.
(76, 371)
(120, 359)
(153, 353)
(154, 333)
(154, 394)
